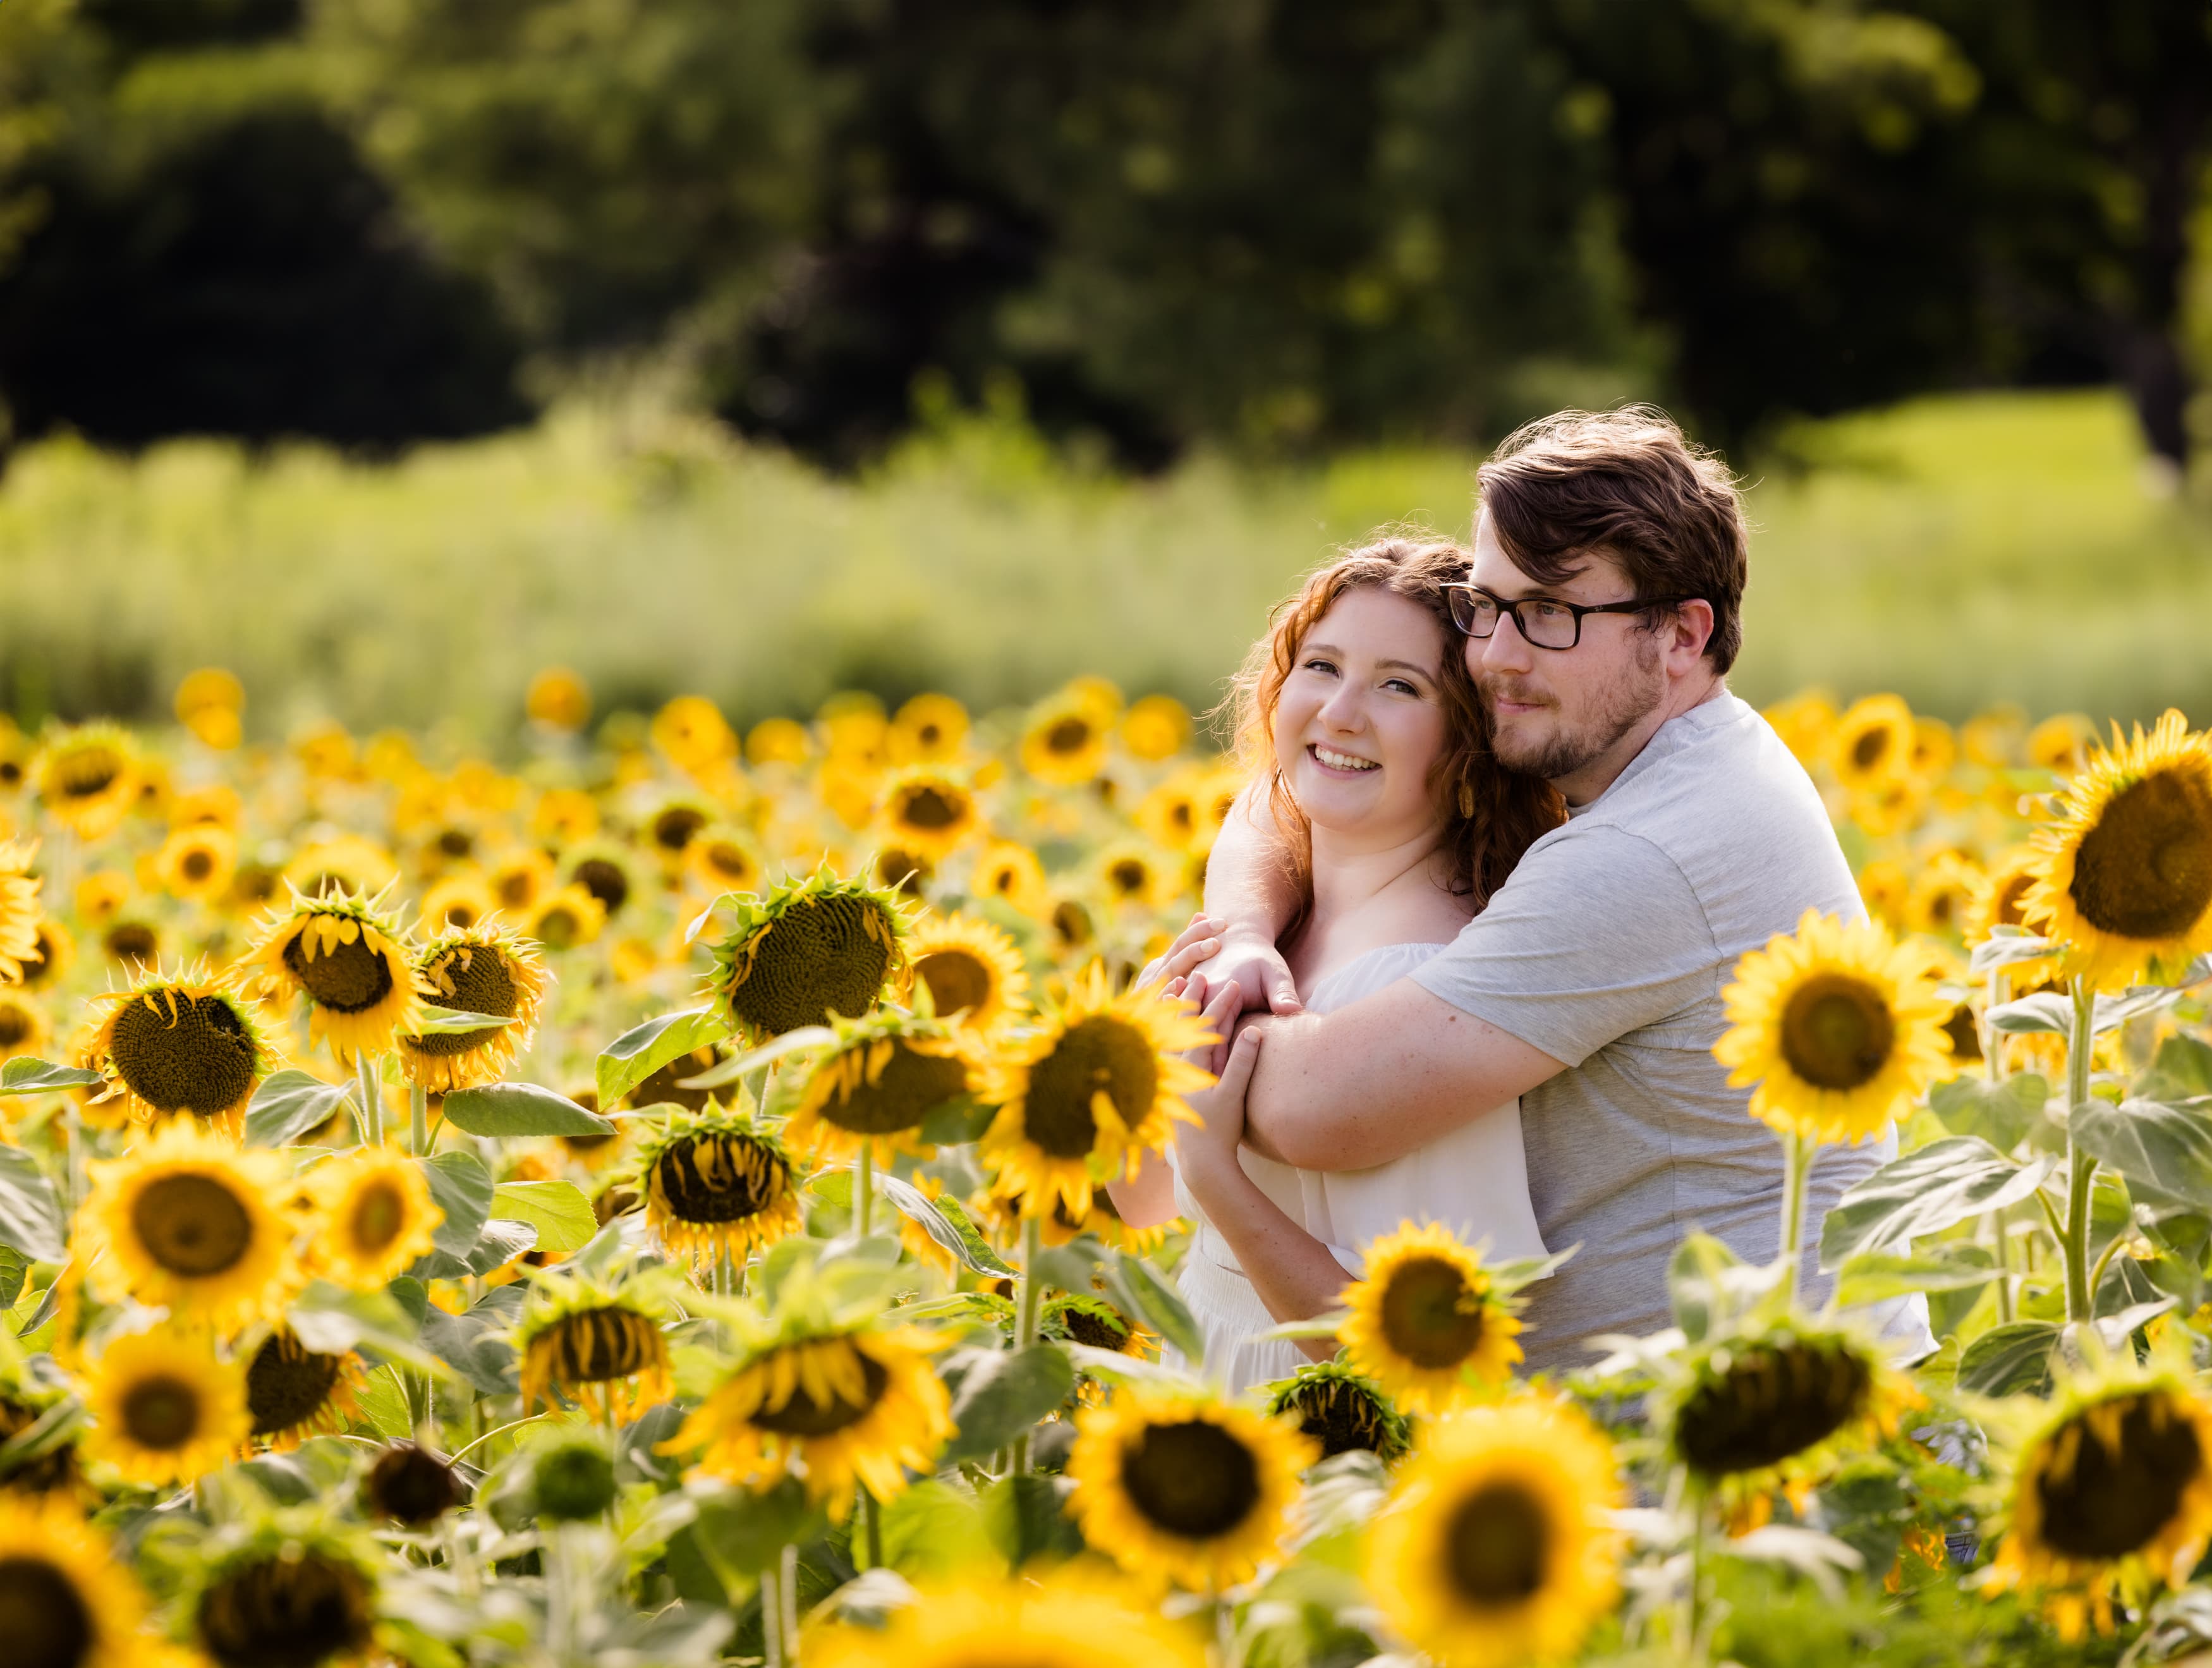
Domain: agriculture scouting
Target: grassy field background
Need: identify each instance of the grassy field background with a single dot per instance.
(1958, 550)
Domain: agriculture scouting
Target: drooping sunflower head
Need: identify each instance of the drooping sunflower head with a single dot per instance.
(1340, 1408)
(1067, 1618)
(164, 1410)
(929, 810)
(292, 1392)
(1497, 1549)
(878, 1083)
(480, 970)
(290, 1592)
(19, 909)
(860, 1406)
(807, 949)
(1871, 745)
(1099, 1083)
(350, 963)
(88, 778)
(1065, 743)
(409, 1486)
(374, 1216)
(181, 1046)
(715, 1183)
(190, 1221)
(1184, 1489)
(2125, 879)
(67, 1599)
(599, 1345)
(1428, 1323)
(1839, 1027)
(2112, 1488)
(1750, 1413)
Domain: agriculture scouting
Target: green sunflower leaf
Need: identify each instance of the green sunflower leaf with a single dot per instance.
(476, 1344)
(944, 1221)
(2000, 1113)
(739, 1065)
(462, 1188)
(502, 1110)
(644, 1048)
(24, 1076)
(290, 1104)
(2006, 945)
(998, 1394)
(1877, 1276)
(1143, 1294)
(30, 1215)
(2007, 1359)
(2164, 1150)
(435, 1019)
(559, 1211)
(1927, 1190)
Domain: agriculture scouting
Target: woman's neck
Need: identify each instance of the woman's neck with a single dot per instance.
(1350, 872)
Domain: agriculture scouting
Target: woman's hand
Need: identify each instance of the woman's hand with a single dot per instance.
(1212, 952)
(1212, 1142)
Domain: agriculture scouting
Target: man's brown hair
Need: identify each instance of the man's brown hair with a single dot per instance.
(1629, 485)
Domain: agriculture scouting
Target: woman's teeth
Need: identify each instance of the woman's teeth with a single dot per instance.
(1337, 761)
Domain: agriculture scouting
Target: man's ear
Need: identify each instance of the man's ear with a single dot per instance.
(1693, 630)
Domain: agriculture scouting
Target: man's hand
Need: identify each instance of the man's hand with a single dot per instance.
(1211, 953)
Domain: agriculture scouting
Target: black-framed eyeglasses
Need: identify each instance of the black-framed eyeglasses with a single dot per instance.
(1542, 622)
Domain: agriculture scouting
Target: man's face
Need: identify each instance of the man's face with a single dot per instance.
(1556, 711)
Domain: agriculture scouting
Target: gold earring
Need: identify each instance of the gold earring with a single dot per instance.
(1466, 800)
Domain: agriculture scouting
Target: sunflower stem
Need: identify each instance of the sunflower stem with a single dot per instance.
(1026, 1307)
(864, 1188)
(2004, 1270)
(2082, 1165)
(371, 1098)
(872, 1528)
(1694, 1643)
(418, 1119)
(1797, 1156)
(1992, 1040)
(787, 1604)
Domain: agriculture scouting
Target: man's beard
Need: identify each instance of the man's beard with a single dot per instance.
(1620, 706)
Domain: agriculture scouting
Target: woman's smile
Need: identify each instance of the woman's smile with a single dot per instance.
(1340, 763)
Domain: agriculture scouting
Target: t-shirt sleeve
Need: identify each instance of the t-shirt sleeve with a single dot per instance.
(1598, 933)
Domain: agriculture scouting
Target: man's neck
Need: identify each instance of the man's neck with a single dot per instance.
(1582, 786)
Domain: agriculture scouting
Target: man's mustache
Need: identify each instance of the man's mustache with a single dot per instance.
(1496, 689)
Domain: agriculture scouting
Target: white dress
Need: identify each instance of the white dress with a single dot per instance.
(1474, 1180)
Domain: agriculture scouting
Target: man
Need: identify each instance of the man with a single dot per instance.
(1602, 617)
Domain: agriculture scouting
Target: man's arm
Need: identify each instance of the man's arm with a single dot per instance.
(1248, 889)
(1370, 1082)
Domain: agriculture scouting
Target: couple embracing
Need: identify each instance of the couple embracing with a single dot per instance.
(1507, 835)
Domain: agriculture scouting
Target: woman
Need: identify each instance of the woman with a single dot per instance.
(1397, 825)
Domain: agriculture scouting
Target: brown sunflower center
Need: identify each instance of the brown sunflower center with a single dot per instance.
(15, 1026)
(1128, 876)
(1868, 750)
(287, 1383)
(1428, 1315)
(43, 1617)
(673, 829)
(411, 1486)
(2009, 899)
(377, 1213)
(719, 1178)
(931, 808)
(199, 863)
(558, 928)
(666, 1085)
(161, 1412)
(1771, 1401)
(346, 978)
(285, 1612)
(132, 940)
(2114, 1502)
(822, 956)
(181, 1053)
(605, 881)
(593, 1346)
(475, 979)
(803, 1416)
(2145, 870)
(1495, 1545)
(910, 1085)
(516, 887)
(1102, 1053)
(1340, 1417)
(1837, 1032)
(1067, 735)
(727, 861)
(1191, 1478)
(86, 772)
(959, 981)
(1099, 1328)
(1070, 924)
(193, 1226)
(455, 842)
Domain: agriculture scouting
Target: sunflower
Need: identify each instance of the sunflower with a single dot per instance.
(19, 909)
(24, 1028)
(1009, 871)
(1805, 722)
(1341, 1409)
(603, 1349)
(292, 1392)
(1497, 1547)
(176, 1045)
(2062, 743)
(290, 1592)
(1426, 1322)
(100, 896)
(2126, 878)
(2114, 1489)
(1746, 1414)
(1872, 745)
(897, 870)
(164, 1409)
(564, 816)
(929, 810)
(1181, 1488)
(66, 1599)
(376, 1217)
(411, 1486)
(2001, 899)
(604, 872)
(564, 919)
(478, 971)
(692, 732)
(88, 778)
(457, 902)
(1097, 1085)
(928, 729)
(1133, 874)
(186, 1220)
(724, 860)
(1838, 1025)
(51, 955)
(1064, 742)
(519, 879)
(879, 1082)
(1172, 816)
(671, 831)
(352, 965)
(715, 1186)
(558, 698)
(132, 944)
(807, 949)
(972, 970)
(1067, 1618)
(1156, 728)
(351, 863)
(196, 862)
(861, 1407)
(1942, 896)
(777, 741)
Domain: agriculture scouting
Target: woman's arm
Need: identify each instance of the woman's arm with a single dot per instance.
(1149, 1200)
(1251, 895)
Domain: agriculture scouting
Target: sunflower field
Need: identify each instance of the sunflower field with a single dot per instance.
(641, 1202)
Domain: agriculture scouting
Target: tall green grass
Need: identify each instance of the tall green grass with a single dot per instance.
(1957, 551)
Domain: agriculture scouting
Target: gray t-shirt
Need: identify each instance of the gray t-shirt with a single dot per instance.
(1608, 949)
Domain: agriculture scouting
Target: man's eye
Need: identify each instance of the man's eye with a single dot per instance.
(1547, 611)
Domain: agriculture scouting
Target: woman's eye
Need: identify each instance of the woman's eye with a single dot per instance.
(1402, 686)
(1320, 665)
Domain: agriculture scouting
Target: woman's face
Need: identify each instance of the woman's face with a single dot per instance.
(1360, 722)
